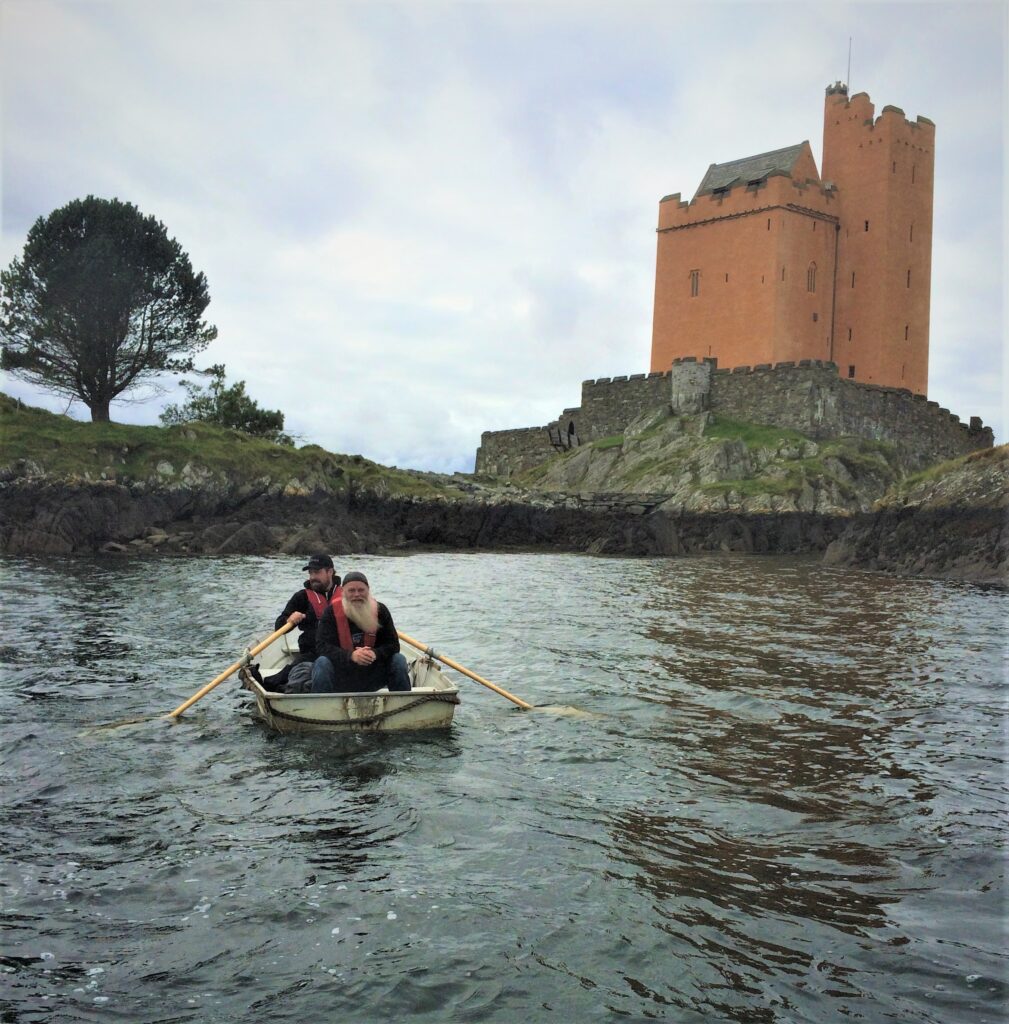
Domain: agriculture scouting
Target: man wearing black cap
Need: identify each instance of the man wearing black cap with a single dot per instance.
(357, 644)
(304, 610)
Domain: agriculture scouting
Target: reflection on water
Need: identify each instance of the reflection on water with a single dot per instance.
(787, 805)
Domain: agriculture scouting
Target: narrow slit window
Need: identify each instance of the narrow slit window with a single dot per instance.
(726, 278)
(851, 371)
(853, 279)
(811, 278)
(849, 334)
(895, 167)
(695, 283)
(768, 223)
(910, 234)
(907, 331)
(909, 278)
(782, 273)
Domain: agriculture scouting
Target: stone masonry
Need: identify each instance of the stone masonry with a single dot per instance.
(807, 396)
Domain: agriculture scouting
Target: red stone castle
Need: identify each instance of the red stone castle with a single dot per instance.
(771, 262)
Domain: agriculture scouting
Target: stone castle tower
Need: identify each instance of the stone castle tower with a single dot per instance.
(770, 262)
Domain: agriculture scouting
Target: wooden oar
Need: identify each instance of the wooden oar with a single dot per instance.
(231, 670)
(465, 671)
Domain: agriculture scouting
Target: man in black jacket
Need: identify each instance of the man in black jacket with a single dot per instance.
(357, 645)
(304, 610)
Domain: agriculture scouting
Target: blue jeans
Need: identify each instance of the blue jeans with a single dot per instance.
(395, 675)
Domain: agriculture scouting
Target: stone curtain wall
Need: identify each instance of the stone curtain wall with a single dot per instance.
(609, 404)
(808, 396)
(505, 452)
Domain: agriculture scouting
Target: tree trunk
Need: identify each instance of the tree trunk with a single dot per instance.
(100, 410)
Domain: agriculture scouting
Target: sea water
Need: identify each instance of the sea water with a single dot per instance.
(784, 800)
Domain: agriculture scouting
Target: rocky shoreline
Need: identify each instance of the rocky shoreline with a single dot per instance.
(46, 517)
(668, 486)
(59, 518)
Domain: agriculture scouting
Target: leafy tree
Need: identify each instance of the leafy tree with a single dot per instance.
(101, 302)
(227, 407)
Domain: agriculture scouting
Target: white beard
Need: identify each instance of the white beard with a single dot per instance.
(363, 614)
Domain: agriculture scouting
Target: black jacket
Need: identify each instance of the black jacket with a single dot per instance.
(300, 603)
(327, 642)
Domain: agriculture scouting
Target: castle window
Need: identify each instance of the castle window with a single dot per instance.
(755, 183)
(851, 371)
(726, 278)
(866, 225)
(849, 334)
(768, 223)
(853, 279)
(695, 283)
(811, 278)
(816, 316)
(907, 328)
(910, 236)
(895, 167)
(782, 273)
(909, 278)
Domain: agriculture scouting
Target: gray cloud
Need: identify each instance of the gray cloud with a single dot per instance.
(422, 222)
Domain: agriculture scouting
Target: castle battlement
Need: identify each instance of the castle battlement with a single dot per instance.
(784, 262)
(805, 395)
(810, 287)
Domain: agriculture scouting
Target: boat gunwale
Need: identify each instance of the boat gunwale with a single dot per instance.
(253, 684)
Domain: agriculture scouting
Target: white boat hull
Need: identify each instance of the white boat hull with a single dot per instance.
(430, 704)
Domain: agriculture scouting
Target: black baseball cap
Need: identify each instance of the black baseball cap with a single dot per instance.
(318, 562)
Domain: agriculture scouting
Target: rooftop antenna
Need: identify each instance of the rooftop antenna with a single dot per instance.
(847, 81)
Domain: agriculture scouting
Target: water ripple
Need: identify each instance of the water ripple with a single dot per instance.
(787, 803)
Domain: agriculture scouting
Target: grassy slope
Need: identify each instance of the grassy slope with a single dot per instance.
(68, 448)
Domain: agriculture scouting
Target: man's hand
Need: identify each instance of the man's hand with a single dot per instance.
(295, 617)
(362, 656)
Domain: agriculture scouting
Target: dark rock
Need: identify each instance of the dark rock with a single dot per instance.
(250, 539)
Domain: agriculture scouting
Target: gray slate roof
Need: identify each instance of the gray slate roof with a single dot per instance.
(750, 168)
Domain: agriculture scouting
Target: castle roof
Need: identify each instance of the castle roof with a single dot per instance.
(750, 168)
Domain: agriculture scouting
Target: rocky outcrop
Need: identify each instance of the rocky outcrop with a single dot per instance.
(949, 523)
(44, 517)
(700, 471)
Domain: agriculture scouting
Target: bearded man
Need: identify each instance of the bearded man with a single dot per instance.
(357, 644)
(304, 610)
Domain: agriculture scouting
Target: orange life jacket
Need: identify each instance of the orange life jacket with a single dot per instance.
(318, 601)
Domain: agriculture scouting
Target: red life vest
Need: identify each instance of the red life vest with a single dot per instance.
(318, 601)
(343, 626)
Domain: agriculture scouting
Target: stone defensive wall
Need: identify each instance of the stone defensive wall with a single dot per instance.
(808, 396)
(812, 398)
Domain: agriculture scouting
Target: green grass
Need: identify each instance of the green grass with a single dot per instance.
(68, 448)
(1000, 453)
(751, 434)
(749, 487)
(615, 441)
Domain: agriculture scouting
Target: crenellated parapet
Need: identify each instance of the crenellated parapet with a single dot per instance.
(806, 395)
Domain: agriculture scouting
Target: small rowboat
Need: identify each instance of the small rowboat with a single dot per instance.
(430, 704)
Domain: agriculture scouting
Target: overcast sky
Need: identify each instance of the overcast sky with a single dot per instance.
(422, 221)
